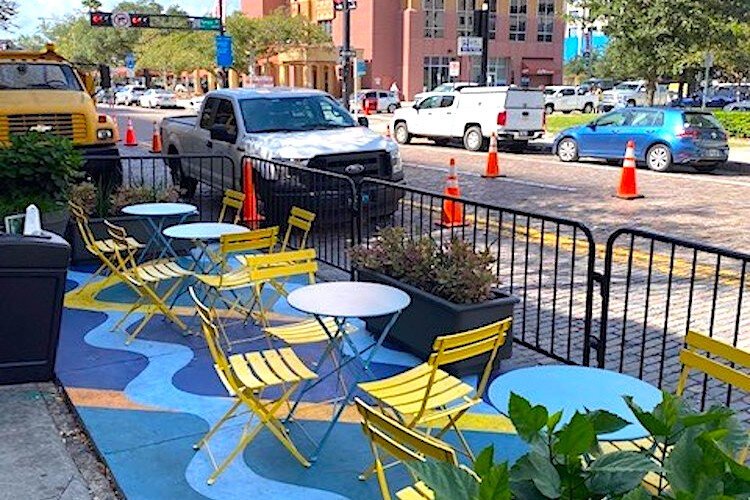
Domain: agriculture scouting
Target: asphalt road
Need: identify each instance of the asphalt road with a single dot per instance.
(706, 207)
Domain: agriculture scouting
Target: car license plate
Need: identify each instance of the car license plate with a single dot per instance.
(524, 134)
(714, 153)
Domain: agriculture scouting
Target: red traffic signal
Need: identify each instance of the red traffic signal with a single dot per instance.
(138, 21)
(100, 19)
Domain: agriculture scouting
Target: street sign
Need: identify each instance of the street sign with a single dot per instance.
(130, 60)
(454, 68)
(469, 46)
(223, 51)
(339, 4)
(361, 68)
(120, 19)
(347, 53)
(208, 23)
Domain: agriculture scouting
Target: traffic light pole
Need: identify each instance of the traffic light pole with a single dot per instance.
(485, 42)
(346, 90)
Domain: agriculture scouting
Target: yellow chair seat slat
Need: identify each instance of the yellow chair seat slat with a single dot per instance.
(261, 369)
(419, 491)
(433, 415)
(303, 332)
(242, 370)
(109, 246)
(233, 279)
(296, 364)
(440, 394)
(402, 378)
(715, 369)
(277, 364)
(408, 387)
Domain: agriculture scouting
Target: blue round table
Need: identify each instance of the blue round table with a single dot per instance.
(578, 388)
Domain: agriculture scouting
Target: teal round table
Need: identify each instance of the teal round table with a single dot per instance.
(578, 388)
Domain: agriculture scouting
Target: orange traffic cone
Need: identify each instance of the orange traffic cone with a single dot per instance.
(130, 139)
(493, 167)
(250, 206)
(628, 190)
(453, 211)
(387, 134)
(156, 140)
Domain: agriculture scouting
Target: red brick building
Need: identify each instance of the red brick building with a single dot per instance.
(412, 42)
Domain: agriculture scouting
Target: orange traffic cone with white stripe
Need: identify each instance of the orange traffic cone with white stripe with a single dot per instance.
(493, 166)
(453, 211)
(156, 140)
(130, 139)
(250, 205)
(628, 189)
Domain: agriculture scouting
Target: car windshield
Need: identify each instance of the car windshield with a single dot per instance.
(549, 91)
(702, 120)
(627, 86)
(445, 87)
(22, 76)
(293, 114)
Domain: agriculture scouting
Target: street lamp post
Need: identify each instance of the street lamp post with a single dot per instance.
(222, 30)
(485, 42)
(346, 70)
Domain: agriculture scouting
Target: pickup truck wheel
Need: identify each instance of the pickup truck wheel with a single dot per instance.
(473, 139)
(401, 132)
(567, 150)
(659, 158)
(588, 108)
(549, 109)
(188, 185)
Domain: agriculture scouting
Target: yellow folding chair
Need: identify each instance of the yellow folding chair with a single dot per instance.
(233, 200)
(426, 395)
(144, 279)
(102, 249)
(403, 444)
(245, 376)
(300, 222)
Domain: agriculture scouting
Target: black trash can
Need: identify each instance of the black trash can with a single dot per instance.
(32, 286)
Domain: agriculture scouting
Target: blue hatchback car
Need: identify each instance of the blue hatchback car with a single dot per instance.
(663, 137)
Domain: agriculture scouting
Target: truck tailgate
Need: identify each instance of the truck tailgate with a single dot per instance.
(525, 110)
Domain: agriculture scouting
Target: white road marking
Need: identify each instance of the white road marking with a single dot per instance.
(504, 179)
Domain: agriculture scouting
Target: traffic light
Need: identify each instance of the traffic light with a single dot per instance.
(100, 19)
(139, 21)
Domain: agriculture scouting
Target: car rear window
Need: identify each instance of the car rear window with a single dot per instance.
(701, 120)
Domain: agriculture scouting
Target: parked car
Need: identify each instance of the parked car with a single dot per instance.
(663, 137)
(445, 87)
(567, 98)
(158, 98)
(738, 106)
(633, 93)
(303, 127)
(597, 83)
(472, 114)
(129, 95)
(388, 101)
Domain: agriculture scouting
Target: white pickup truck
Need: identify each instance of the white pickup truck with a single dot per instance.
(298, 127)
(472, 114)
(633, 93)
(568, 98)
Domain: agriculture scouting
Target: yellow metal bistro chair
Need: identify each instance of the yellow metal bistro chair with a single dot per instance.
(102, 249)
(144, 279)
(426, 396)
(245, 376)
(403, 444)
(300, 222)
(232, 201)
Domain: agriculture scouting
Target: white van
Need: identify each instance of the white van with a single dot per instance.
(472, 114)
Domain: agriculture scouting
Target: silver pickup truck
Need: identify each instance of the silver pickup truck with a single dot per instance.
(286, 125)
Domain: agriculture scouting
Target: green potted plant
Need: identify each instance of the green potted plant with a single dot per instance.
(38, 168)
(452, 289)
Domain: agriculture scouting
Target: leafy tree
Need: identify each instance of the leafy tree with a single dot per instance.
(655, 39)
(31, 42)
(176, 51)
(7, 11)
(92, 5)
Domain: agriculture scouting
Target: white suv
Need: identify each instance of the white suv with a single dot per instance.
(388, 101)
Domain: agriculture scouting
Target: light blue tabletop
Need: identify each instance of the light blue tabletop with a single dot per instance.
(160, 209)
(577, 388)
(203, 230)
(348, 299)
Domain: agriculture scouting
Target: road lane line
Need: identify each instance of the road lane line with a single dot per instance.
(541, 185)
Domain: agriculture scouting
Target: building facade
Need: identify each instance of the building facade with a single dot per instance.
(412, 42)
(581, 34)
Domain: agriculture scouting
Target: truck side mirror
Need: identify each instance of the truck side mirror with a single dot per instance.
(363, 121)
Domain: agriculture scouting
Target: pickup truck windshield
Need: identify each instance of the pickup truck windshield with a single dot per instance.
(293, 114)
(22, 76)
(627, 86)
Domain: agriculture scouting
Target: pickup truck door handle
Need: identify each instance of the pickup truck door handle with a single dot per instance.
(209, 144)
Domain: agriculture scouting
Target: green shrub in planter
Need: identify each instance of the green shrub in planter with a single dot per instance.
(37, 168)
(736, 123)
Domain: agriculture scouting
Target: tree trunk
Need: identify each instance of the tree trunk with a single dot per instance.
(650, 91)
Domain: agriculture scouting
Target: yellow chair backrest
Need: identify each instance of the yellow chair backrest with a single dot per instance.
(692, 359)
(211, 335)
(259, 239)
(124, 254)
(457, 347)
(301, 220)
(401, 443)
(82, 222)
(267, 267)
(234, 200)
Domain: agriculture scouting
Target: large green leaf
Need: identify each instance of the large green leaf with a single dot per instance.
(576, 437)
(495, 484)
(537, 469)
(605, 422)
(636, 494)
(528, 420)
(619, 472)
(648, 420)
(684, 464)
(446, 480)
(484, 462)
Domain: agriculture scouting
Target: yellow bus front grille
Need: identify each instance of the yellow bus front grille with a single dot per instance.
(72, 126)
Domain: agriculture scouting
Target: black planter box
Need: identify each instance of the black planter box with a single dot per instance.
(429, 316)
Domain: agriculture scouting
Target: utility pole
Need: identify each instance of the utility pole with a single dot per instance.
(222, 29)
(485, 23)
(346, 70)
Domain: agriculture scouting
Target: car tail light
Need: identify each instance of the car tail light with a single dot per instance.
(502, 117)
(689, 134)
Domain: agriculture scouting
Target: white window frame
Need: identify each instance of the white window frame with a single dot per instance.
(434, 18)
